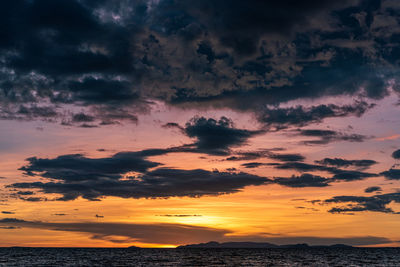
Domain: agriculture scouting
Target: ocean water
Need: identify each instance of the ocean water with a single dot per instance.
(199, 257)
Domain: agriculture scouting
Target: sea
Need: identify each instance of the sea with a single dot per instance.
(199, 257)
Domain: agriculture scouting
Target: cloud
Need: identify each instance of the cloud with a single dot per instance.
(372, 189)
(338, 174)
(240, 26)
(75, 176)
(338, 162)
(113, 58)
(251, 165)
(328, 136)
(396, 154)
(9, 227)
(164, 233)
(161, 233)
(281, 118)
(304, 180)
(391, 174)
(82, 117)
(309, 180)
(376, 203)
(266, 153)
(345, 175)
(286, 157)
(76, 167)
(64, 54)
(214, 137)
(8, 212)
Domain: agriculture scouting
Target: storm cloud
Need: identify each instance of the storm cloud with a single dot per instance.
(113, 58)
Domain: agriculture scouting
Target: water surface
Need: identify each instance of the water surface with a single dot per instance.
(199, 257)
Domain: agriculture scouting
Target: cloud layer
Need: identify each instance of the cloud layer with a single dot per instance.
(112, 59)
(126, 175)
(163, 233)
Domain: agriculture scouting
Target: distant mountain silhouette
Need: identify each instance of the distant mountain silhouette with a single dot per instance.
(214, 244)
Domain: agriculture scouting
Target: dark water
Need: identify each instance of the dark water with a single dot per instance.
(199, 257)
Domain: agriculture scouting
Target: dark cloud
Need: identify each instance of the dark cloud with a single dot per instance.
(303, 167)
(111, 57)
(266, 153)
(8, 212)
(287, 157)
(392, 174)
(304, 180)
(280, 118)
(241, 25)
(174, 125)
(216, 136)
(338, 174)
(25, 193)
(376, 203)
(251, 165)
(82, 117)
(372, 189)
(102, 91)
(396, 154)
(9, 227)
(62, 53)
(345, 175)
(328, 136)
(11, 220)
(33, 199)
(338, 162)
(126, 175)
(77, 167)
(34, 112)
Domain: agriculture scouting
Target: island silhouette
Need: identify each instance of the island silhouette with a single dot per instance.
(214, 244)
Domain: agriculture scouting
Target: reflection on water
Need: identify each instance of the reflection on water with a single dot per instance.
(199, 257)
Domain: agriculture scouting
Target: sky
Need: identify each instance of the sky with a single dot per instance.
(158, 123)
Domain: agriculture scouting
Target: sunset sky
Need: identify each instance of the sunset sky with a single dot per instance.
(157, 123)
